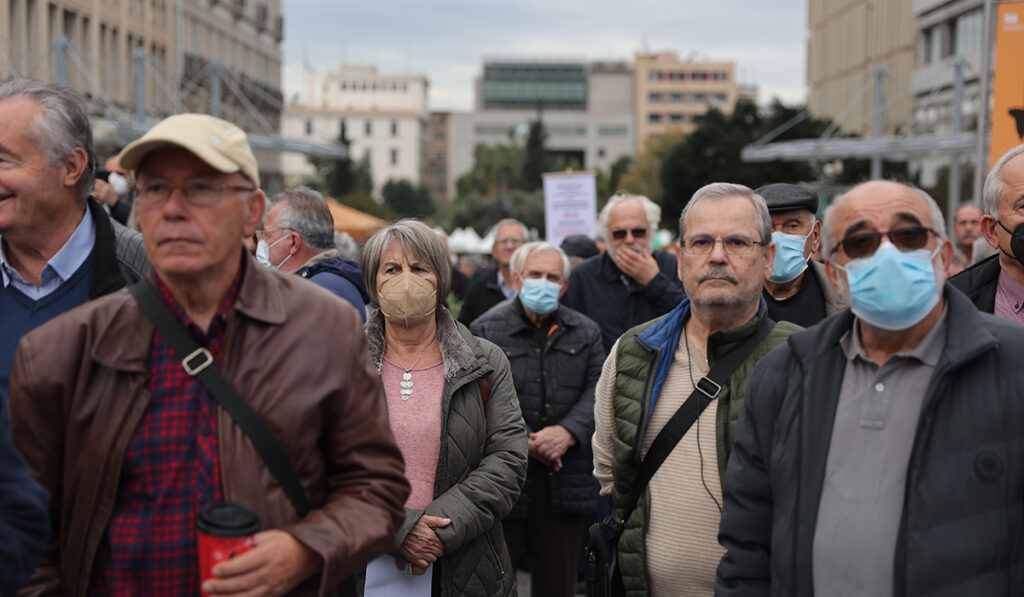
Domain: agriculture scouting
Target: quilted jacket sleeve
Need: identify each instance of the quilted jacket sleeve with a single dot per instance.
(746, 528)
(488, 493)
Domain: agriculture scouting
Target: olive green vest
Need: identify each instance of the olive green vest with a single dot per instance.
(634, 376)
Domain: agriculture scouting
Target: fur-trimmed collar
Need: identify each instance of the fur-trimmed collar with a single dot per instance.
(456, 353)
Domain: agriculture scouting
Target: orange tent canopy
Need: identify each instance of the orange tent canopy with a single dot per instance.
(358, 224)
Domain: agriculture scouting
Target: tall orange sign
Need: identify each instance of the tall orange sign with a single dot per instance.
(1008, 81)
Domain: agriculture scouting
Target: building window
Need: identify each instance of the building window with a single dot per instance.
(394, 128)
(394, 157)
(677, 97)
(439, 136)
(309, 127)
(368, 128)
(676, 118)
(968, 32)
(367, 155)
(654, 96)
(344, 86)
(654, 118)
(699, 97)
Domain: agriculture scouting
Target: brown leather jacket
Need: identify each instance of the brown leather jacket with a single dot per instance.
(295, 351)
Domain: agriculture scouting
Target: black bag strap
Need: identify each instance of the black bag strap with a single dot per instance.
(198, 362)
(707, 387)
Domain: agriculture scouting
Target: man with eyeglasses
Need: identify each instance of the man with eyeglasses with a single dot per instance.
(669, 546)
(630, 282)
(132, 446)
(877, 452)
(494, 284)
(797, 289)
(298, 236)
(996, 284)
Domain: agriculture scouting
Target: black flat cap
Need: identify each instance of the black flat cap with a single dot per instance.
(579, 245)
(782, 196)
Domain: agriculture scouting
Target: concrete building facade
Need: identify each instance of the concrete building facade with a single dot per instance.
(671, 92)
(847, 40)
(384, 117)
(436, 148)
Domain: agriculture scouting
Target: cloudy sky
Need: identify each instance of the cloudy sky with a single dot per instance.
(447, 40)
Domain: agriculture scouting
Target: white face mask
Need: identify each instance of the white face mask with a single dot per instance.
(119, 183)
(263, 253)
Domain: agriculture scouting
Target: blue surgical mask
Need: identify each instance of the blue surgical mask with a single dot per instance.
(263, 253)
(539, 296)
(892, 289)
(789, 257)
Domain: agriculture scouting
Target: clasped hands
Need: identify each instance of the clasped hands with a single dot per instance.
(422, 547)
(549, 445)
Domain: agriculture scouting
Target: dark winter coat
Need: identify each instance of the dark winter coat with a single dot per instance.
(482, 294)
(962, 528)
(555, 384)
(341, 276)
(599, 290)
(979, 283)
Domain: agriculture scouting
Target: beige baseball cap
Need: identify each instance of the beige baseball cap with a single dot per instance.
(217, 142)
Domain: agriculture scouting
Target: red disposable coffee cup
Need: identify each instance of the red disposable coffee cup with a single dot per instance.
(224, 530)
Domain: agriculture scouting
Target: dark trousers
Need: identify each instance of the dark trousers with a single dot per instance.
(551, 539)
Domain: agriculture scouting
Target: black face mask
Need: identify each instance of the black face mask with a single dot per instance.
(1016, 241)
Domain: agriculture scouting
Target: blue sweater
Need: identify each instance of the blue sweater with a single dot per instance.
(20, 315)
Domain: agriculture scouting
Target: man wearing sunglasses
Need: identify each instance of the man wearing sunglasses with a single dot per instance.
(877, 452)
(630, 282)
(797, 289)
(996, 284)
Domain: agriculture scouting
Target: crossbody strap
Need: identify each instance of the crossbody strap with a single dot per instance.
(707, 389)
(198, 362)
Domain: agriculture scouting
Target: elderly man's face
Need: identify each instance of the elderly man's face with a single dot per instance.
(1010, 211)
(729, 275)
(545, 265)
(881, 207)
(967, 225)
(33, 194)
(798, 222)
(628, 227)
(183, 239)
(280, 240)
(507, 239)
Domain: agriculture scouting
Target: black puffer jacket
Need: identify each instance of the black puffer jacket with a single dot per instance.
(979, 283)
(555, 384)
(962, 528)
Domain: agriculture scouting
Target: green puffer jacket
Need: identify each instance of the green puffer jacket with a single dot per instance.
(482, 464)
(644, 356)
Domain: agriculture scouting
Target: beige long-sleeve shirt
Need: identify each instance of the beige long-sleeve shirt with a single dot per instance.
(682, 536)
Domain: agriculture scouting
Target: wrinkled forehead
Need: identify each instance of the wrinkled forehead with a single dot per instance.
(879, 208)
(723, 215)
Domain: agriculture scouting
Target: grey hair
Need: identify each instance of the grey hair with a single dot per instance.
(721, 190)
(416, 239)
(828, 242)
(304, 211)
(510, 222)
(518, 262)
(60, 126)
(993, 190)
(652, 211)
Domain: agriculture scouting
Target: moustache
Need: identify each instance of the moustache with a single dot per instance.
(719, 272)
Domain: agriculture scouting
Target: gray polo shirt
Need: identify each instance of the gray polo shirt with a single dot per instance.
(872, 437)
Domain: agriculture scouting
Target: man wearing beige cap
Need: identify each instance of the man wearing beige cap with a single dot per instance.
(132, 445)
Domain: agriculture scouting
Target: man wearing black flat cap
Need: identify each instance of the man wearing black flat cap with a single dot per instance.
(797, 290)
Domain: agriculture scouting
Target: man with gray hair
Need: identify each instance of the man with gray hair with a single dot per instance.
(876, 454)
(494, 285)
(555, 354)
(58, 247)
(630, 282)
(996, 284)
(298, 236)
(669, 366)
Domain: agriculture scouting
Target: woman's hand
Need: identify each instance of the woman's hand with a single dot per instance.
(422, 546)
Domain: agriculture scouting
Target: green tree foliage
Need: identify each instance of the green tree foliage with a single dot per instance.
(535, 160)
(644, 175)
(407, 200)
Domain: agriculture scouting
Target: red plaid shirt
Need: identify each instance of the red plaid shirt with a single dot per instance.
(171, 471)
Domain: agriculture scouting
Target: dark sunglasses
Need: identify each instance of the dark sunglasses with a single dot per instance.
(620, 233)
(864, 244)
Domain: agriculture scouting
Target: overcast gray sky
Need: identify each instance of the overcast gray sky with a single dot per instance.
(447, 40)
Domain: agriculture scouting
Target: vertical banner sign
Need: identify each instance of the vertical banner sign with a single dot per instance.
(1008, 81)
(570, 205)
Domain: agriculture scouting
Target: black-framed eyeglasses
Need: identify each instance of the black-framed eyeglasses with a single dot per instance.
(196, 192)
(732, 245)
(620, 233)
(864, 244)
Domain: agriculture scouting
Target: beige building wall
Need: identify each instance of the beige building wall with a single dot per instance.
(180, 36)
(848, 39)
(671, 92)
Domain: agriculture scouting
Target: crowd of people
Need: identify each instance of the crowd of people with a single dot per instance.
(773, 405)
